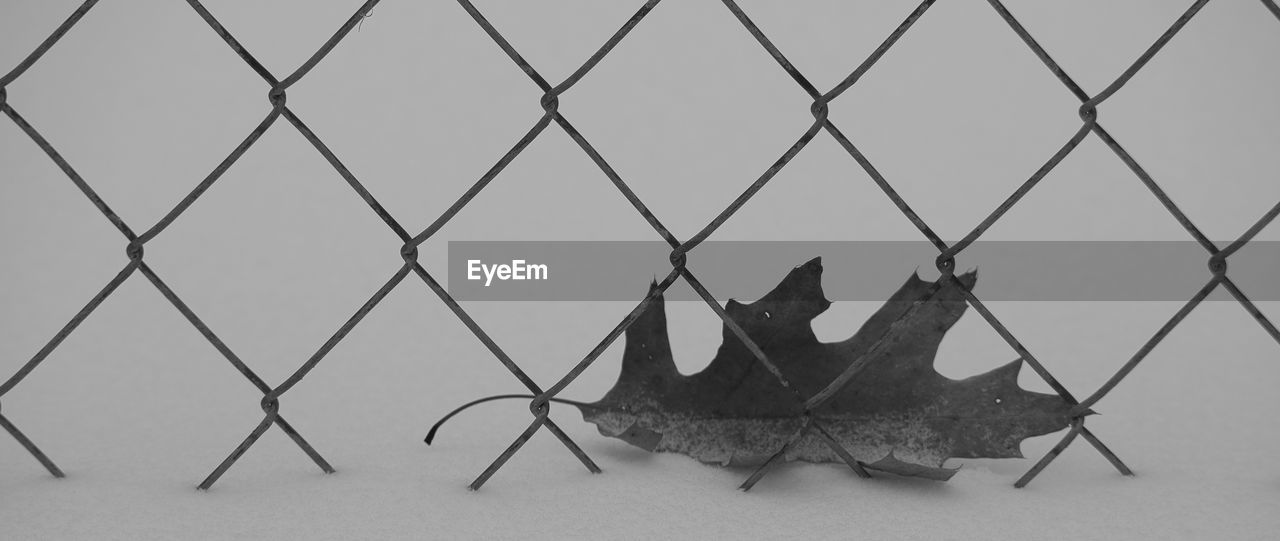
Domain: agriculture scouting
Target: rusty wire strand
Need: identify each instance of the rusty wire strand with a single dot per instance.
(1151, 343)
(1077, 426)
(820, 109)
(840, 451)
(66, 169)
(1252, 232)
(47, 44)
(1271, 5)
(541, 399)
(609, 338)
(1252, 308)
(31, 448)
(871, 354)
(777, 457)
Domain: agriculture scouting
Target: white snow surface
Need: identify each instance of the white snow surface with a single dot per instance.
(1194, 426)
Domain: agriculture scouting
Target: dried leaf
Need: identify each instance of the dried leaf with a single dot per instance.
(898, 414)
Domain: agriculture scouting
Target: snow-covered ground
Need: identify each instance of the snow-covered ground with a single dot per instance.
(136, 426)
(144, 100)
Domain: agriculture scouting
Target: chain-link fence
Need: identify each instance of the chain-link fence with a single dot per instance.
(539, 407)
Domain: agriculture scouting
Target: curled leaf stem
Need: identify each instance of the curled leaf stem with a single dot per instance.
(431, 434)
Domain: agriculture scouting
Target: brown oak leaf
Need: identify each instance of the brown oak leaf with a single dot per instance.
(897, 414)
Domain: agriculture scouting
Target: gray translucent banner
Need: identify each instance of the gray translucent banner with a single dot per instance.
(854, 270)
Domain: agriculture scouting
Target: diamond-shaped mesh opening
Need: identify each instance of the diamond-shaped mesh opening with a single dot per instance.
(1127, 29)
(929, 116)
(434, 132)
(1196, 94)
(262, 246)
(823, 99)
(820, 195)
(142, 140)
(678, 104)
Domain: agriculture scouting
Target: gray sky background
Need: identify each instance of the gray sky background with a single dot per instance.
(144, 100)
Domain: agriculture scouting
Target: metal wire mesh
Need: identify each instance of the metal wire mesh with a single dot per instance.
(549, 101)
